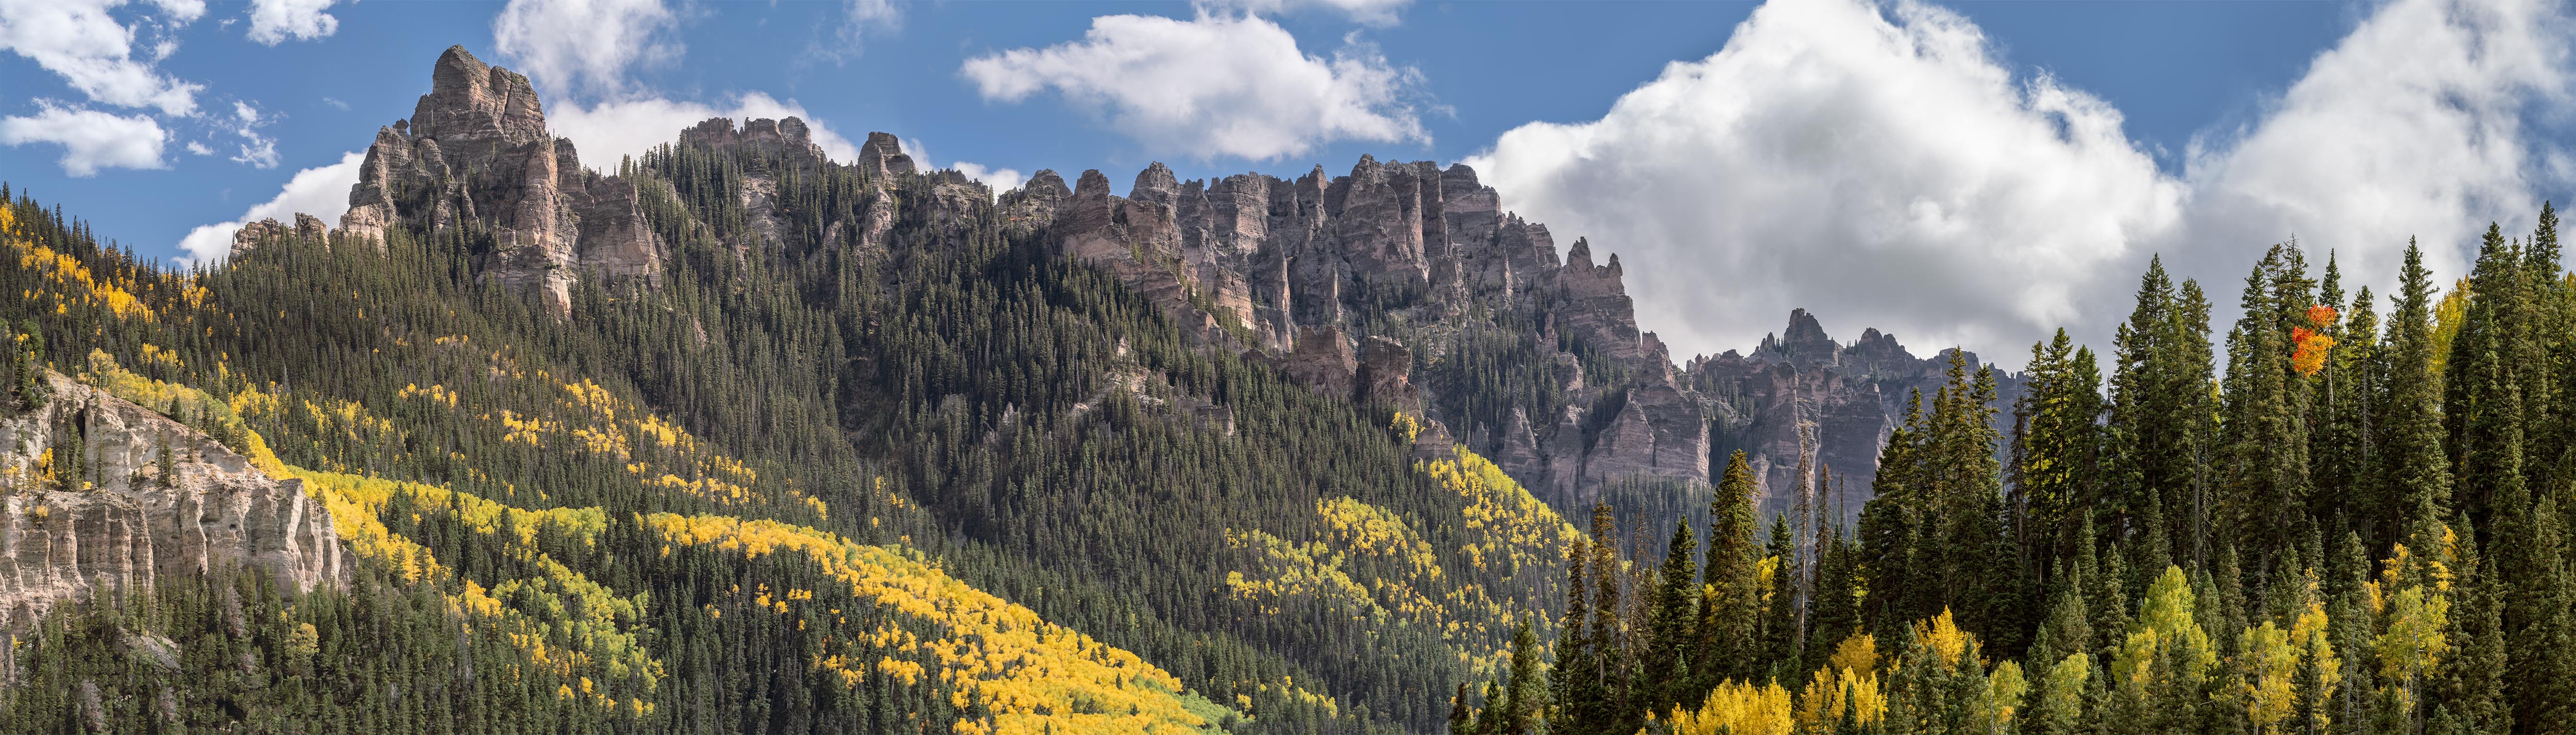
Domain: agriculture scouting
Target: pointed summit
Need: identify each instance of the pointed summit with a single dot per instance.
(549, 221)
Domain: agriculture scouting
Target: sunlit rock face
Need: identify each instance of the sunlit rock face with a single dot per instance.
(131, 523)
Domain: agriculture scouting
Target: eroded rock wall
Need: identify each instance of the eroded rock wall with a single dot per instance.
(131, 524)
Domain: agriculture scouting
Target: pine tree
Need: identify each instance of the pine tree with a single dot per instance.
(2054, 449)
(2416, 473)
(1526, 697)
(1725, 643)
(1780, 634)
(1575, 683)
(1891, 528)
(2480, 370)
(1666, 677)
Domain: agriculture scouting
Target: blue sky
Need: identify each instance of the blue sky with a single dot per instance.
(1925, 87)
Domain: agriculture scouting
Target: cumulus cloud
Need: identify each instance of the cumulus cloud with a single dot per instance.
(322, 192)
(563, 45)
(2412, 125)
(1365, 12)
(94, 52)
(200, 149)
(1881, 166)
(91, 140)
(602, 133)
(1215, 85)
(274, 21)
(182, 11)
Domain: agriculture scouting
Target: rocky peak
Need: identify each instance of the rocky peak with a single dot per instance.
(883, 159)
(1154, 184)
(1804, 344)
(476, 151)
(469, 100)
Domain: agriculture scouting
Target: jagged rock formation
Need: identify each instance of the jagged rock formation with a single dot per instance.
(1350, 284)
(1800, 393)
(476, 155)
(251, 235)
(135, 524)
(1305, 271)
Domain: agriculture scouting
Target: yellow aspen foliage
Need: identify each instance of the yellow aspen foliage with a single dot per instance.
(1837, 689)
(2061, 693)
(1030, 675)
(2165, 624)
(2414, 643)
(1406, 427)
(67, 282)
(2004, 689)
(1737, 708)
(2270, 686)
(1376, 566)
(559, 619)
(2311, 632)
(1949, 644)
(1859, 652)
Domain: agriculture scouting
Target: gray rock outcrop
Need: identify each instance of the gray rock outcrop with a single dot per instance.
(1342, 280)
(132, 524)
(476, 154)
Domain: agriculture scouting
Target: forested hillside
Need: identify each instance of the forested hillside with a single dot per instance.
(2356, 524)
(734, 437)
(924, 474)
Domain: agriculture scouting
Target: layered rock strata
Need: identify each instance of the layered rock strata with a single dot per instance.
(132, 524)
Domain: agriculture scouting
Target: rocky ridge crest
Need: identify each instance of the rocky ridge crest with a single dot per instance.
(1351, 284)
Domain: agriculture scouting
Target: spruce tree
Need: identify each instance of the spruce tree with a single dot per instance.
(1666, 675)
(1724, 636)
(2415, 471)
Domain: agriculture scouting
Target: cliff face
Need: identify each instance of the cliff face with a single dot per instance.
(476, 154)
(135, 524)
(1800, 392)
(1250, 259)
(1307, 271)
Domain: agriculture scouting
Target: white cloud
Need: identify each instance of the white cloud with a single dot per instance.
(1000, 179)
(2412, 125)
(182, 11)
(93, 52)
(604, 132)
(322, 192)
(258, 150)
(859, 19)
(1880, 166)
(91, 140)
(563, 45)
(1215, 85)
(274, 21)
(200, 148)
(1366, 12)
